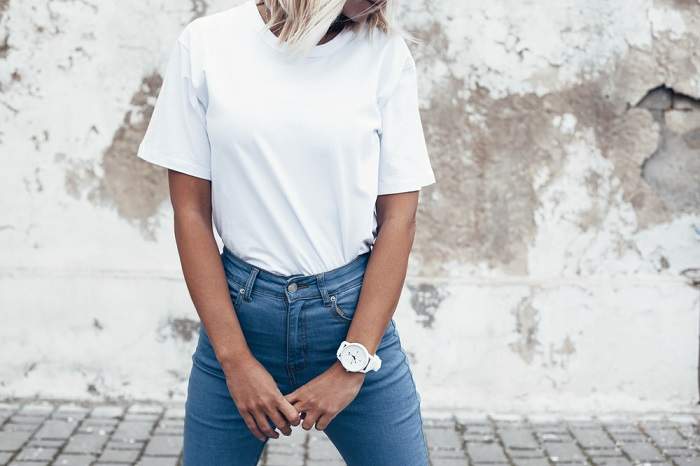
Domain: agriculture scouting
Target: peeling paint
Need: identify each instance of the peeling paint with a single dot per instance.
(673, 170)
(180, 329)
(133, 187)
(526, 327)
(425, 301)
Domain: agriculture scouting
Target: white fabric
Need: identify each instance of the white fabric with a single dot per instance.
(296, 151)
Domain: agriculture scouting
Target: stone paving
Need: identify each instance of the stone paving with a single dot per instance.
(35, 433)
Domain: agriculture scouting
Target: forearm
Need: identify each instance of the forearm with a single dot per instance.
(384, 278)
(207, 285)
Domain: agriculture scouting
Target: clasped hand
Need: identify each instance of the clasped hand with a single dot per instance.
(317, 402)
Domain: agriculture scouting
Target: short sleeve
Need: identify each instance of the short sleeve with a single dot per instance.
(404, 163)
(176, 136)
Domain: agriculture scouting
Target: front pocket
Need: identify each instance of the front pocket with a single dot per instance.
(236, 292)
(344, 304)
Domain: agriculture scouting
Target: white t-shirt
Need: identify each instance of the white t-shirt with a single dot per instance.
(296, 150)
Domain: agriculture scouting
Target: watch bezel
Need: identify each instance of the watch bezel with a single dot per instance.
(345, 348)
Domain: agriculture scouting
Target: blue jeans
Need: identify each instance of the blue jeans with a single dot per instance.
(294, 331)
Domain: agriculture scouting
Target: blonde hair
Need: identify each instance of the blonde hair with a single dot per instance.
(305, 22)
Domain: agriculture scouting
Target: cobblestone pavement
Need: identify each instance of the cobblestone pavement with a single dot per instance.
(56, 433)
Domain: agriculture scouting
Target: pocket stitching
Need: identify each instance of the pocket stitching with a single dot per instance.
(239, 297)
(337, 310)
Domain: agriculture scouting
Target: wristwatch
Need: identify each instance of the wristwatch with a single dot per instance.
(355, 358)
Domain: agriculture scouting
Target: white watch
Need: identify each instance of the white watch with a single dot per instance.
(355, 358)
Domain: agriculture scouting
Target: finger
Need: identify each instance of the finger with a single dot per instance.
(292, 397)
(252, 426)
(290, 412)
(323, 421)
(264, 424)
(279, 421)
(309, 420)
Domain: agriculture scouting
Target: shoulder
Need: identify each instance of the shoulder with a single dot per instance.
(394, 60)
(389, 47)
(213, 27)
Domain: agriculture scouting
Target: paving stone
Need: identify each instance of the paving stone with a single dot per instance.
(322, 449)
(156, 461)
(592, 437)
(165, 429)
(450, 462)
(687, 461)
(37, 409)
(312, 462)
(45, 443)
(275, 459)
(447, 423)
(136, 430)
(70, 412)
(540, 461)
(485, 428)
(486, 453)
(642, 452)
(622, 427)
(525, 454)
(125, 444)
(119, 456)
(479, 438)
(604, 452)
(56, 429)
(86, 443)
(564, 452)
(36, 454)
(174, 413)
(107, 411)
(443, 438)
(689, 431)
(560, 429)
(164, 446)
(29, 463)
(11, 441)
(142, 417)
(12, 427)
(145, 408)
(681, 452)
(629, 437)
(74, 460)
(23, 419)
(554, 437)
(100, 426)
(666, 438)
(5, 457)
(518, 439)
(617, 461)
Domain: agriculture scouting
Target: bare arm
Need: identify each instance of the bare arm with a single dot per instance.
(326, 395)
(386, 269)
(251, 386)
(202, 268)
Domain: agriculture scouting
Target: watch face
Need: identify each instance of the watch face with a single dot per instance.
(353, 357)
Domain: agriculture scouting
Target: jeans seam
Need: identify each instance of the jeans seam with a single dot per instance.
(415, 393)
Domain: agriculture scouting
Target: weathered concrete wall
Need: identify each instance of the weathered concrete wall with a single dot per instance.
(554, 259)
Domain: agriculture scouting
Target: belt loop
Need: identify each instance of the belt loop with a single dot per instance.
(321, 283)
(249, 283)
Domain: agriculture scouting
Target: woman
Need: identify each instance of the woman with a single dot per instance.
(304, 143)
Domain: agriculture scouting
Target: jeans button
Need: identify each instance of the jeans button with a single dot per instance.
(292, 287)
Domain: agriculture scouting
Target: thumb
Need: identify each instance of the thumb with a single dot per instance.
(292, 397)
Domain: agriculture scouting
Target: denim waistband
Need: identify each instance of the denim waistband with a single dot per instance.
(254, 279)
